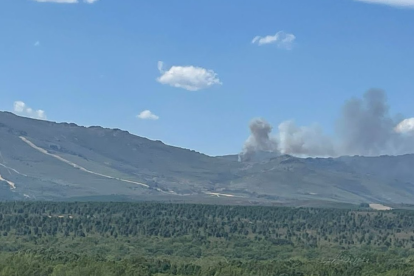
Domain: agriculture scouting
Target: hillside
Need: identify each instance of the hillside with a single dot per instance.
(42, 160)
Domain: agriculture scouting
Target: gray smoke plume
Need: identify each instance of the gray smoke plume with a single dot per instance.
(259, 139)
(365, 127)
(304, 141)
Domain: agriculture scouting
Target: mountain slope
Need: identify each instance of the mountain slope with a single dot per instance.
(109, 152)
(46, 160)
(350, 179)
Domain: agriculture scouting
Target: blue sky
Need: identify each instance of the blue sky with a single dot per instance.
(98, 64)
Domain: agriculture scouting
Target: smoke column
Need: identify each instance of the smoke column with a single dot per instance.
(259, 139)
(304, 141)
(364, 127)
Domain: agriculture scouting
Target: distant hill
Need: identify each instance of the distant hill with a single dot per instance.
(41, 160)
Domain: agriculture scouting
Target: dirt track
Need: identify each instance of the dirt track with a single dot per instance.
(11, 184)
(77, 166)
(379, 207)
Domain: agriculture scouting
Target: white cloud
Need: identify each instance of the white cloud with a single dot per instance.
(406, 126)
(281, 39)
(395, 3)
(21, 108)
(187, 77)
(147, 115)
(36, 44)
(66, 1)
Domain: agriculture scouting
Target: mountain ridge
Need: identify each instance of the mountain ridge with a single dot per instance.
(56, 161)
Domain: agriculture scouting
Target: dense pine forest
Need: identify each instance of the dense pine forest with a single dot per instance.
(180, 239)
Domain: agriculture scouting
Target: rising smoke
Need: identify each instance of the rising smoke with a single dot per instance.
(304, 141)
(365, 127)
(260, 139)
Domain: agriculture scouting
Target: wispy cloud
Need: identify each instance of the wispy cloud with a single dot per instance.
(187, 77)
(281, 39)
(36, 44)
(66, 1)
(394, 3)
(147, 115)
(22, 109)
